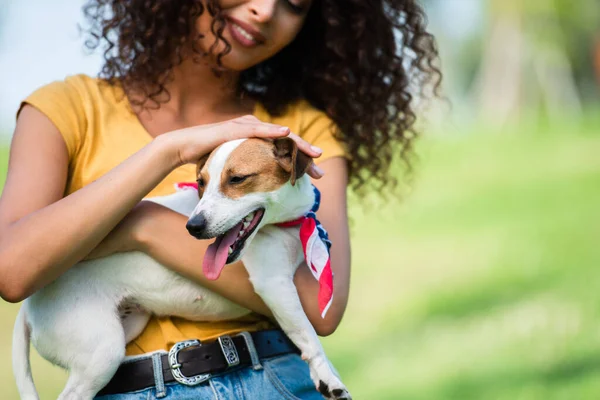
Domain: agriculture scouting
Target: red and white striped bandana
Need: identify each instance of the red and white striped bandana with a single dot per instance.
(316, 246)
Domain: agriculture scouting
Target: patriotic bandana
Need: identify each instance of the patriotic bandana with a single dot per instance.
(315, 245)
(186, 185)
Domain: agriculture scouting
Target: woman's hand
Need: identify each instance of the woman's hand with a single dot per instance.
(190, 144)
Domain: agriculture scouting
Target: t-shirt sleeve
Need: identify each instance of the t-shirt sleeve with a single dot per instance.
(318, 129)
(61, 102)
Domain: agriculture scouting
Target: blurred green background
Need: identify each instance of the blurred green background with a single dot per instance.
(484, 283)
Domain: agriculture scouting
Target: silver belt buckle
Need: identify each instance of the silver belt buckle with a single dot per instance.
(176, 367)
(229, 351)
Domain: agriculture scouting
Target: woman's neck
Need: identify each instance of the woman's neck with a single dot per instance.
(195, 86)
(196, 96)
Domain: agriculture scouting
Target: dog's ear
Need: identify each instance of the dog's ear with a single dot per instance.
(200, 164)
(290, 158)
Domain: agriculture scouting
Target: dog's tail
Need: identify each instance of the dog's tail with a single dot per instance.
(20, 356)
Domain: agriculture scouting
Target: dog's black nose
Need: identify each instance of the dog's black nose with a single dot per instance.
(196, 226)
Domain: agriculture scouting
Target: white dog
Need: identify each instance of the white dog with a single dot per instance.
(245, 187)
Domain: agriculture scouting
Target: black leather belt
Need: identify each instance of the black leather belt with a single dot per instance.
(192, 362)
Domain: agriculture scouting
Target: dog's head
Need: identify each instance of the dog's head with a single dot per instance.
(243, 185)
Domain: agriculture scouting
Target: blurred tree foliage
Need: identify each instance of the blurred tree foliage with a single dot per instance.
(538, 57)
(575, 27)
(525, 57)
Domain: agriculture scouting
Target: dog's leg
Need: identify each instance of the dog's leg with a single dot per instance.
(87, 339)
(280, 295)
(88, 375)
(134, 320)
(277, 289)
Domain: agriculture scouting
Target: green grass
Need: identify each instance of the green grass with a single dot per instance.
(483, 284)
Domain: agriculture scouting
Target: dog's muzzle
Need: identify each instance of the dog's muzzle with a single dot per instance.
(196, 226)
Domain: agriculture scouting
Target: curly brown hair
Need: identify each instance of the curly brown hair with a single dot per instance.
(363, 62)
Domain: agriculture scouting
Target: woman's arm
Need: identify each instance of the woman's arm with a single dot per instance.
(42, 234)
(161, 233)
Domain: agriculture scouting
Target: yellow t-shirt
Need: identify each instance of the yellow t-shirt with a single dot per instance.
(101, 131)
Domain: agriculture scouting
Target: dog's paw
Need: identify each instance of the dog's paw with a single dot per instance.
(337, 393)
(326, 380)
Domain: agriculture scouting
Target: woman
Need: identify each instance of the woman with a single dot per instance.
(181, 77)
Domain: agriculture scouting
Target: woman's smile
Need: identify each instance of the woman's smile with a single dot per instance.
(256, 30)
(243, 33)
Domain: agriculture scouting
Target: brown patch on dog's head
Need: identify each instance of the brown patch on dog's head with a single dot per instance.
(250, 168)
(259, 165)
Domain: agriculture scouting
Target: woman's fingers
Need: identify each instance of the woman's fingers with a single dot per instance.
(250, 126)
(253, 127)
(306, 147)
(314, 171)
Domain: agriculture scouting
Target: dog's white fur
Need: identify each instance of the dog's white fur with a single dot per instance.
(75, 321)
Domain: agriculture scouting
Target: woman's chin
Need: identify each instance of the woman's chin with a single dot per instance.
(237, 62)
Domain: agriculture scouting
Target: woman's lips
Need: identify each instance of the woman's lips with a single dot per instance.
(244, 34)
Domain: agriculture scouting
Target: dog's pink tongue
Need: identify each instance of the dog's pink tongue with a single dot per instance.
(216, 254)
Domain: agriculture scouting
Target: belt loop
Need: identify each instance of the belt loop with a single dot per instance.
(159, 380)
(256, 365)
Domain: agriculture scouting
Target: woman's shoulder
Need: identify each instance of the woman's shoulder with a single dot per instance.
(72, 103)
(81, 81)
(79, 89)
(94, 88)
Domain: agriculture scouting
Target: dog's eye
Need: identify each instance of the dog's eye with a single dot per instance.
(200, 183)
(238, 179)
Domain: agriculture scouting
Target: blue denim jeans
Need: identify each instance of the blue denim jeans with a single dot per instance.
(283, 377)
